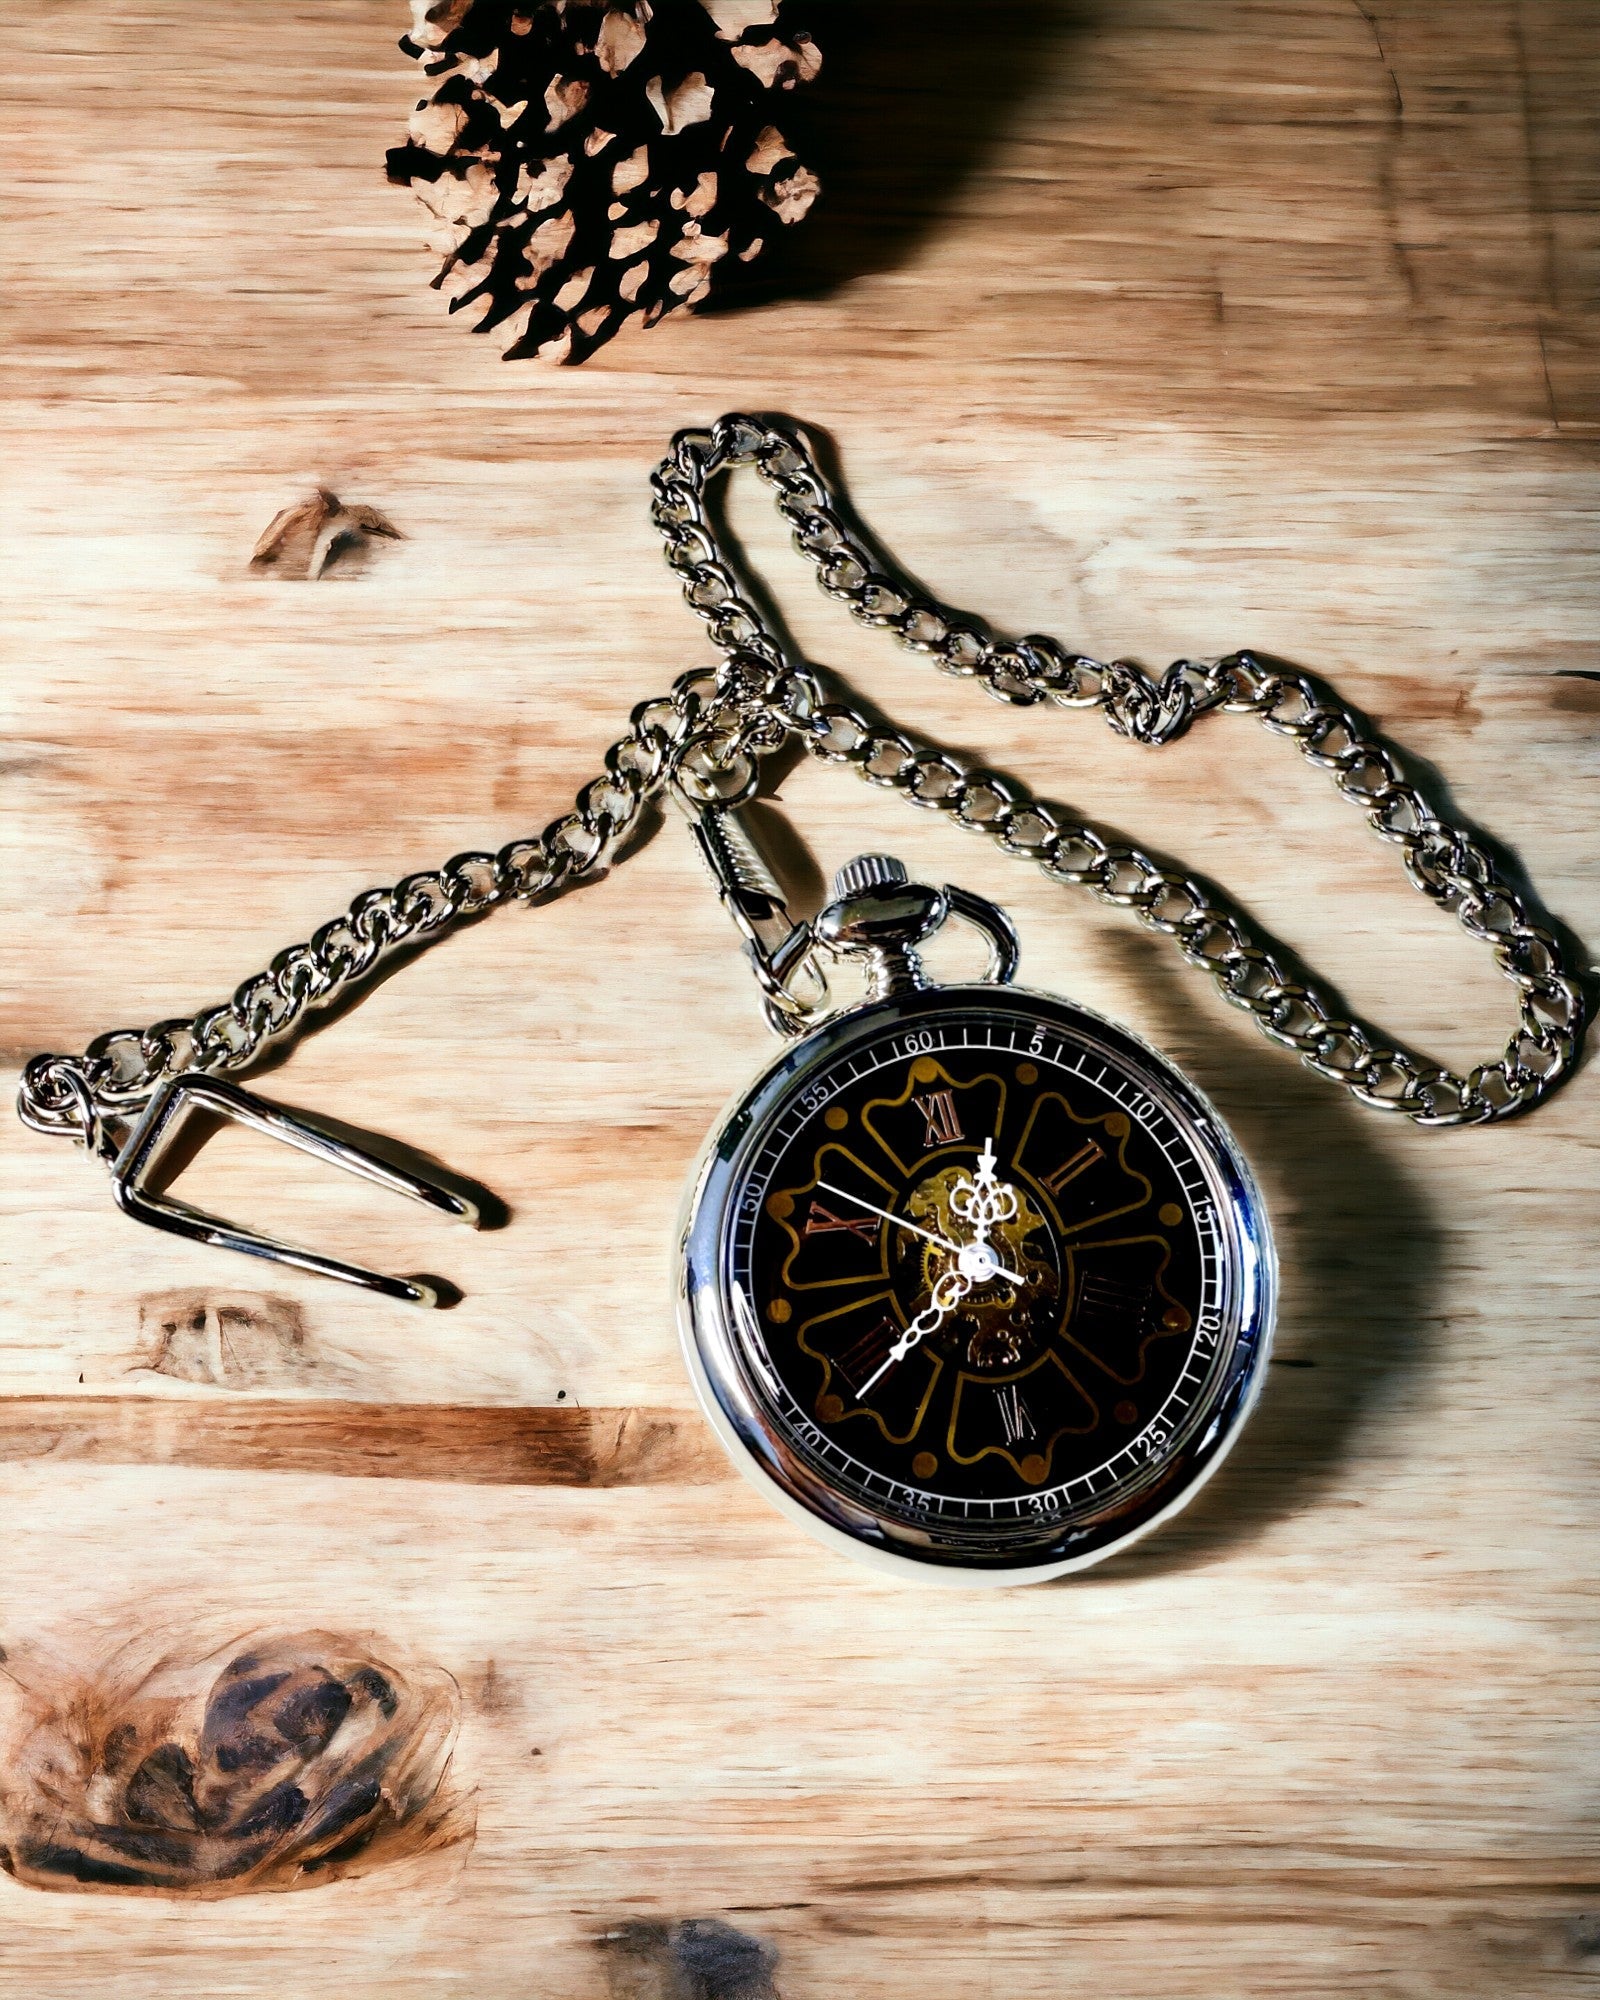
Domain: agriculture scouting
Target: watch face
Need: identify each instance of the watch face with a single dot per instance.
(986, 1272)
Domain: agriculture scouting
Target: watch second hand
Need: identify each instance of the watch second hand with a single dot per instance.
(899, 1221)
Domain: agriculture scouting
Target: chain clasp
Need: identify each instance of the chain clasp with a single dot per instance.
(780, 951)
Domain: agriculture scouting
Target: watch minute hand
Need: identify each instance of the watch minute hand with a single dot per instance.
(898, 1220)
(948, 1292)
(928, 1236)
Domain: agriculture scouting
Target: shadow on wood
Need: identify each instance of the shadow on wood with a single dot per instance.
(913, 97)
(1361, 1255)
(701, 1958)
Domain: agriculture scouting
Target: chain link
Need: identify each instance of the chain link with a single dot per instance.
(711, 732)
(86, 1097)
(1443, 861)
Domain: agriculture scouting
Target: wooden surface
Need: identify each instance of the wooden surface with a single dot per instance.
(1167, 326)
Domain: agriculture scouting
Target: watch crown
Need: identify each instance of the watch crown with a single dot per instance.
(868, 871)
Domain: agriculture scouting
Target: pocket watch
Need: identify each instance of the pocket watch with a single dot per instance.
(973, 1281)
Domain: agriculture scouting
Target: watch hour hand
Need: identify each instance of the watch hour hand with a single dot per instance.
(983, 1199)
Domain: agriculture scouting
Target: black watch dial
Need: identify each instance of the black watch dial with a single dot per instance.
(978, 1269)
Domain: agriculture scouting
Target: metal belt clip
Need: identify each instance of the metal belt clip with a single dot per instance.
(179, 1095)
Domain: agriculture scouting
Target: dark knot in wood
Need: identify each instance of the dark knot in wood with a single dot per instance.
(294, 1761)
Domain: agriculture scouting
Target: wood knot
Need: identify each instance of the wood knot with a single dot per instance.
(291, 1762)
(700, 1958)
(229, 1340)
(303, 542)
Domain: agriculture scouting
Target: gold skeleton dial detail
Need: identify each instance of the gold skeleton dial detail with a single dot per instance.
(994, 1317)
(1041, 1337)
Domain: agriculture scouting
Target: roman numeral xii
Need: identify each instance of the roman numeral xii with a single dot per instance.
(940, 1120)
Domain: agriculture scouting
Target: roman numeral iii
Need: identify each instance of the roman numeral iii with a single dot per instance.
(1109, 1303)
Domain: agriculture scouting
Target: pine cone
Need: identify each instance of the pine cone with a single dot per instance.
(589, 164)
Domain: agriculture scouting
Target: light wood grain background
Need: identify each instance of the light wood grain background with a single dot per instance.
(1165, 325)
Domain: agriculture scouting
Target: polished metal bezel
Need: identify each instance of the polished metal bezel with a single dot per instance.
(756, 1438)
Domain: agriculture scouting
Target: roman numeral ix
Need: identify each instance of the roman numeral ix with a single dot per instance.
(820, 1221)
